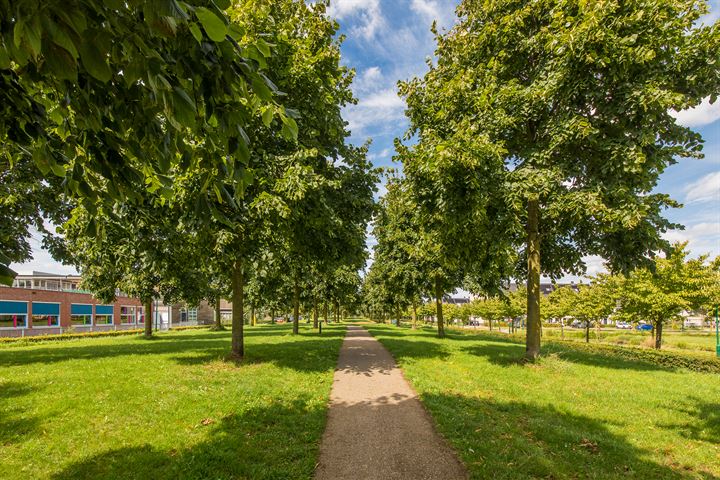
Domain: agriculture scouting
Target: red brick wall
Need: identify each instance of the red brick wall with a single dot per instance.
(64, 299)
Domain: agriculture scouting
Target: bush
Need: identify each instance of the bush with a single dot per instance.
(68, 336)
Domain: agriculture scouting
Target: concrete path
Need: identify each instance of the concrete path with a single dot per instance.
(377, 428)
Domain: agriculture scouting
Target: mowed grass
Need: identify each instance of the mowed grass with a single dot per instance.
(574, 414)
(168, 408)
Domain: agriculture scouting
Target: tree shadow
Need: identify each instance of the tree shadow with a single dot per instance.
(506, 354)
(509, 440)
(303, 353)
(15, 425)
(269, 442)
(705, 421)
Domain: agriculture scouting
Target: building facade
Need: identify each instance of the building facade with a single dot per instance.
(49, 304)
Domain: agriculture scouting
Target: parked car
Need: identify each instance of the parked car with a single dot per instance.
(578, 324)
(623, 325)
(644, 327)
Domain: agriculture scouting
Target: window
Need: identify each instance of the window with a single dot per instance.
(45, 314)
(23, 283)
(13, 314)
(192, 315)
(80, 314)
(127, 315)
(103, 314)
(140, 312)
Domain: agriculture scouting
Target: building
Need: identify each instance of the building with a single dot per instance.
(47, 304)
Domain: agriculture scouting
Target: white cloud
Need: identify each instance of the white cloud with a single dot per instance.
(703, 114)
(701, 237)
(432, 10)
(378, 109)
(368, 12)
(707, 189)
(42, 261)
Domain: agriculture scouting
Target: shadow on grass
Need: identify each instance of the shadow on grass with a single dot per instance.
(194, 348)
(508, 440)
(15, 425)
(261, 443)
(705, 421)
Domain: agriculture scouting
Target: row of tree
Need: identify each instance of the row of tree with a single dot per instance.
(185, 149)
(658, 295)
(542, 127)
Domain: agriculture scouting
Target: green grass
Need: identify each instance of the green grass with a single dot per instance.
(168, 408)
(695, 340)
(574, 414)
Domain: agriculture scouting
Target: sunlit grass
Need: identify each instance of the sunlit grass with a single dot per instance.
(574, 414)
(170, 408)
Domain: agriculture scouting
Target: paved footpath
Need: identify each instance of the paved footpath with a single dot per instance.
(377, 428)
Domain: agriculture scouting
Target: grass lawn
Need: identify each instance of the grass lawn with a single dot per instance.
(573, 415)
(695, 340)
(169, 408)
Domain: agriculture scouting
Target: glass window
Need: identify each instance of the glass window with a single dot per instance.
(18, 320)
(46, 320)
(102, 319)
(127, 315)
(81, 319)
(192, 315)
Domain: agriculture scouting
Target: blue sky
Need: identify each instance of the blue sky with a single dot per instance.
(390, 40)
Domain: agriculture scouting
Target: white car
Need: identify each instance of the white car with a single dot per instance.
(623, 325)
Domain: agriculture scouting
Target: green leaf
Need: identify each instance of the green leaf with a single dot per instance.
(213, 25)
(267, 116)
(183, 107)
(94, 62)
(7, 275)
(261, 89)
(195, 30)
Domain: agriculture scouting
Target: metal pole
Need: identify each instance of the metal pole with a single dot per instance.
(717, 332)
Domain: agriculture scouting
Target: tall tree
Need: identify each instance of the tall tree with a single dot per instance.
(574, 98)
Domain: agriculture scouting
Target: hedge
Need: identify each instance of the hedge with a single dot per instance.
(70, 336)
(696, 362)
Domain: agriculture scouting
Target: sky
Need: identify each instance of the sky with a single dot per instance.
(390, 40)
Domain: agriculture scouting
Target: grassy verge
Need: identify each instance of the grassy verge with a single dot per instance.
(168, 408)
(575, 414)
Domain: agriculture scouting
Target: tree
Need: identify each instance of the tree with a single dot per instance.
(110, 97)
(560, 305)
(660, 294)
(593, 303)
(576, 104)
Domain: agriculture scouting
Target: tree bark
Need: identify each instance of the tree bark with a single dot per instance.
(532, 342)
(238, 284)
(414, 316)
(658, 335)
(296, 307)
(147, 305)
(490, 323)
(438, 306)
(325, 312)
(587, 332)
(272, 317)
(218, 316)
(315, 314)
(252, 314)
(337, 311)
(398, 316)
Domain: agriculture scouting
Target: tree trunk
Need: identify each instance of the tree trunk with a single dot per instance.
(238, 314)
(532, 342)
(147, 305)
(325, 312)
(562, 329)
(272, 317)
(397, 313)
(587, 332)
(296, 307)
(337, 311)
(218, 316)
(438, 306)
(252, 314)
(658, 335)
(315, 314)
(490, 323)
(414, 316)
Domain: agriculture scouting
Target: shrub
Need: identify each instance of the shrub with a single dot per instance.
(68, 336)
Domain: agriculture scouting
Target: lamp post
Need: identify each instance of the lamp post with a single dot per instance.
(717, 332)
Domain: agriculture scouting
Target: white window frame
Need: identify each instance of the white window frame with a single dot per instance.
(48, 326)
(27, 317)
(134, 315)
(92, 315)
(95, 314)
